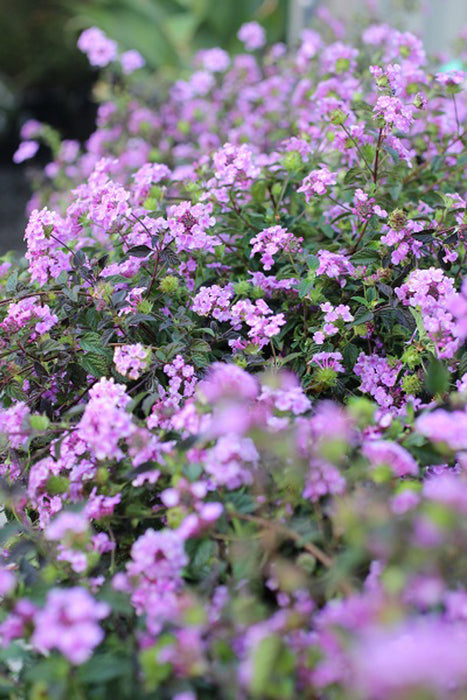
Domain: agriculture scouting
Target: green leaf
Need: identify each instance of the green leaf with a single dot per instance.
(366, 256)
(241, 502)
(199, 346)
(438, 377)
(463, 364)
(273, 666)
(200, 553)
(104, 667)
(312, 261)
(139, 251)
(91, 342)
(350, 354)
(362, 300)
(362, 317)
(95, 364)
(304, 287)
(11, 283)
(264, 659)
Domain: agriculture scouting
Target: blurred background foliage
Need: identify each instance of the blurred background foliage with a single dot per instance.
(42, 74)
(167, 32)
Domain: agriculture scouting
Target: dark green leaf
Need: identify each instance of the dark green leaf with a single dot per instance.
(95, 364)
(438, 377)
(139, 251)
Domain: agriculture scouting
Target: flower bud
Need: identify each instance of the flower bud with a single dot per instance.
(338, 116)
(169, 284)
(292, 161)
(397, 219)
(411, 384)
(411, 357)
(242, 288)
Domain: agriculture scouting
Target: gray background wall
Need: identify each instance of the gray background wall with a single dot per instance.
(439, 22)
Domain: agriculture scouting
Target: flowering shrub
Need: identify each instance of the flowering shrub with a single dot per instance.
(234, 385)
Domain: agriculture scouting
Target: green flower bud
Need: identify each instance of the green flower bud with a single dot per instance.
(169, 284)
(174, 517)
(333, 450)
(307, 562)
(183, 126)
(57, 484)
(102, 476)
(257, 292)
(397, 219)
(342, 65)
(361, 329)
(292, 161)
(150, 204)
(39, 422)
(393, 579)
(144, 306)
(242, 288)
(382, 81)
(419, 101)
(411, 384)
(323, 378)
(276, 189)
(338, 116)
(240, 361)
(411, 357)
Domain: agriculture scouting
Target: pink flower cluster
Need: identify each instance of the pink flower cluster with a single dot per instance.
(317, 183)
(69, 622)
(258, 316)
(331, 315)
(378, 378)
(432, 292)
(29, 311)
(101, 51)
(131, 360)
(273, 240)
(334, 265)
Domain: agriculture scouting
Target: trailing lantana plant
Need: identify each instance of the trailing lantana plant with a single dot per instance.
(234, 382)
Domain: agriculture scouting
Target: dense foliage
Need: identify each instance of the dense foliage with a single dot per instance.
(234, 385)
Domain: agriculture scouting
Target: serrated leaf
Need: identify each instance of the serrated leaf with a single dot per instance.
(91, 342)
(350, 354)
(11, 282)
(15, 391)
(95, 364)
(200, 346)
(463, 364)
(49, 345)
(438, 377)
(362, 316)
(366, 256)
(304, 288)
(200, 360)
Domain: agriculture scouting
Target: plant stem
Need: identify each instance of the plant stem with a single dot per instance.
(376, 163)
